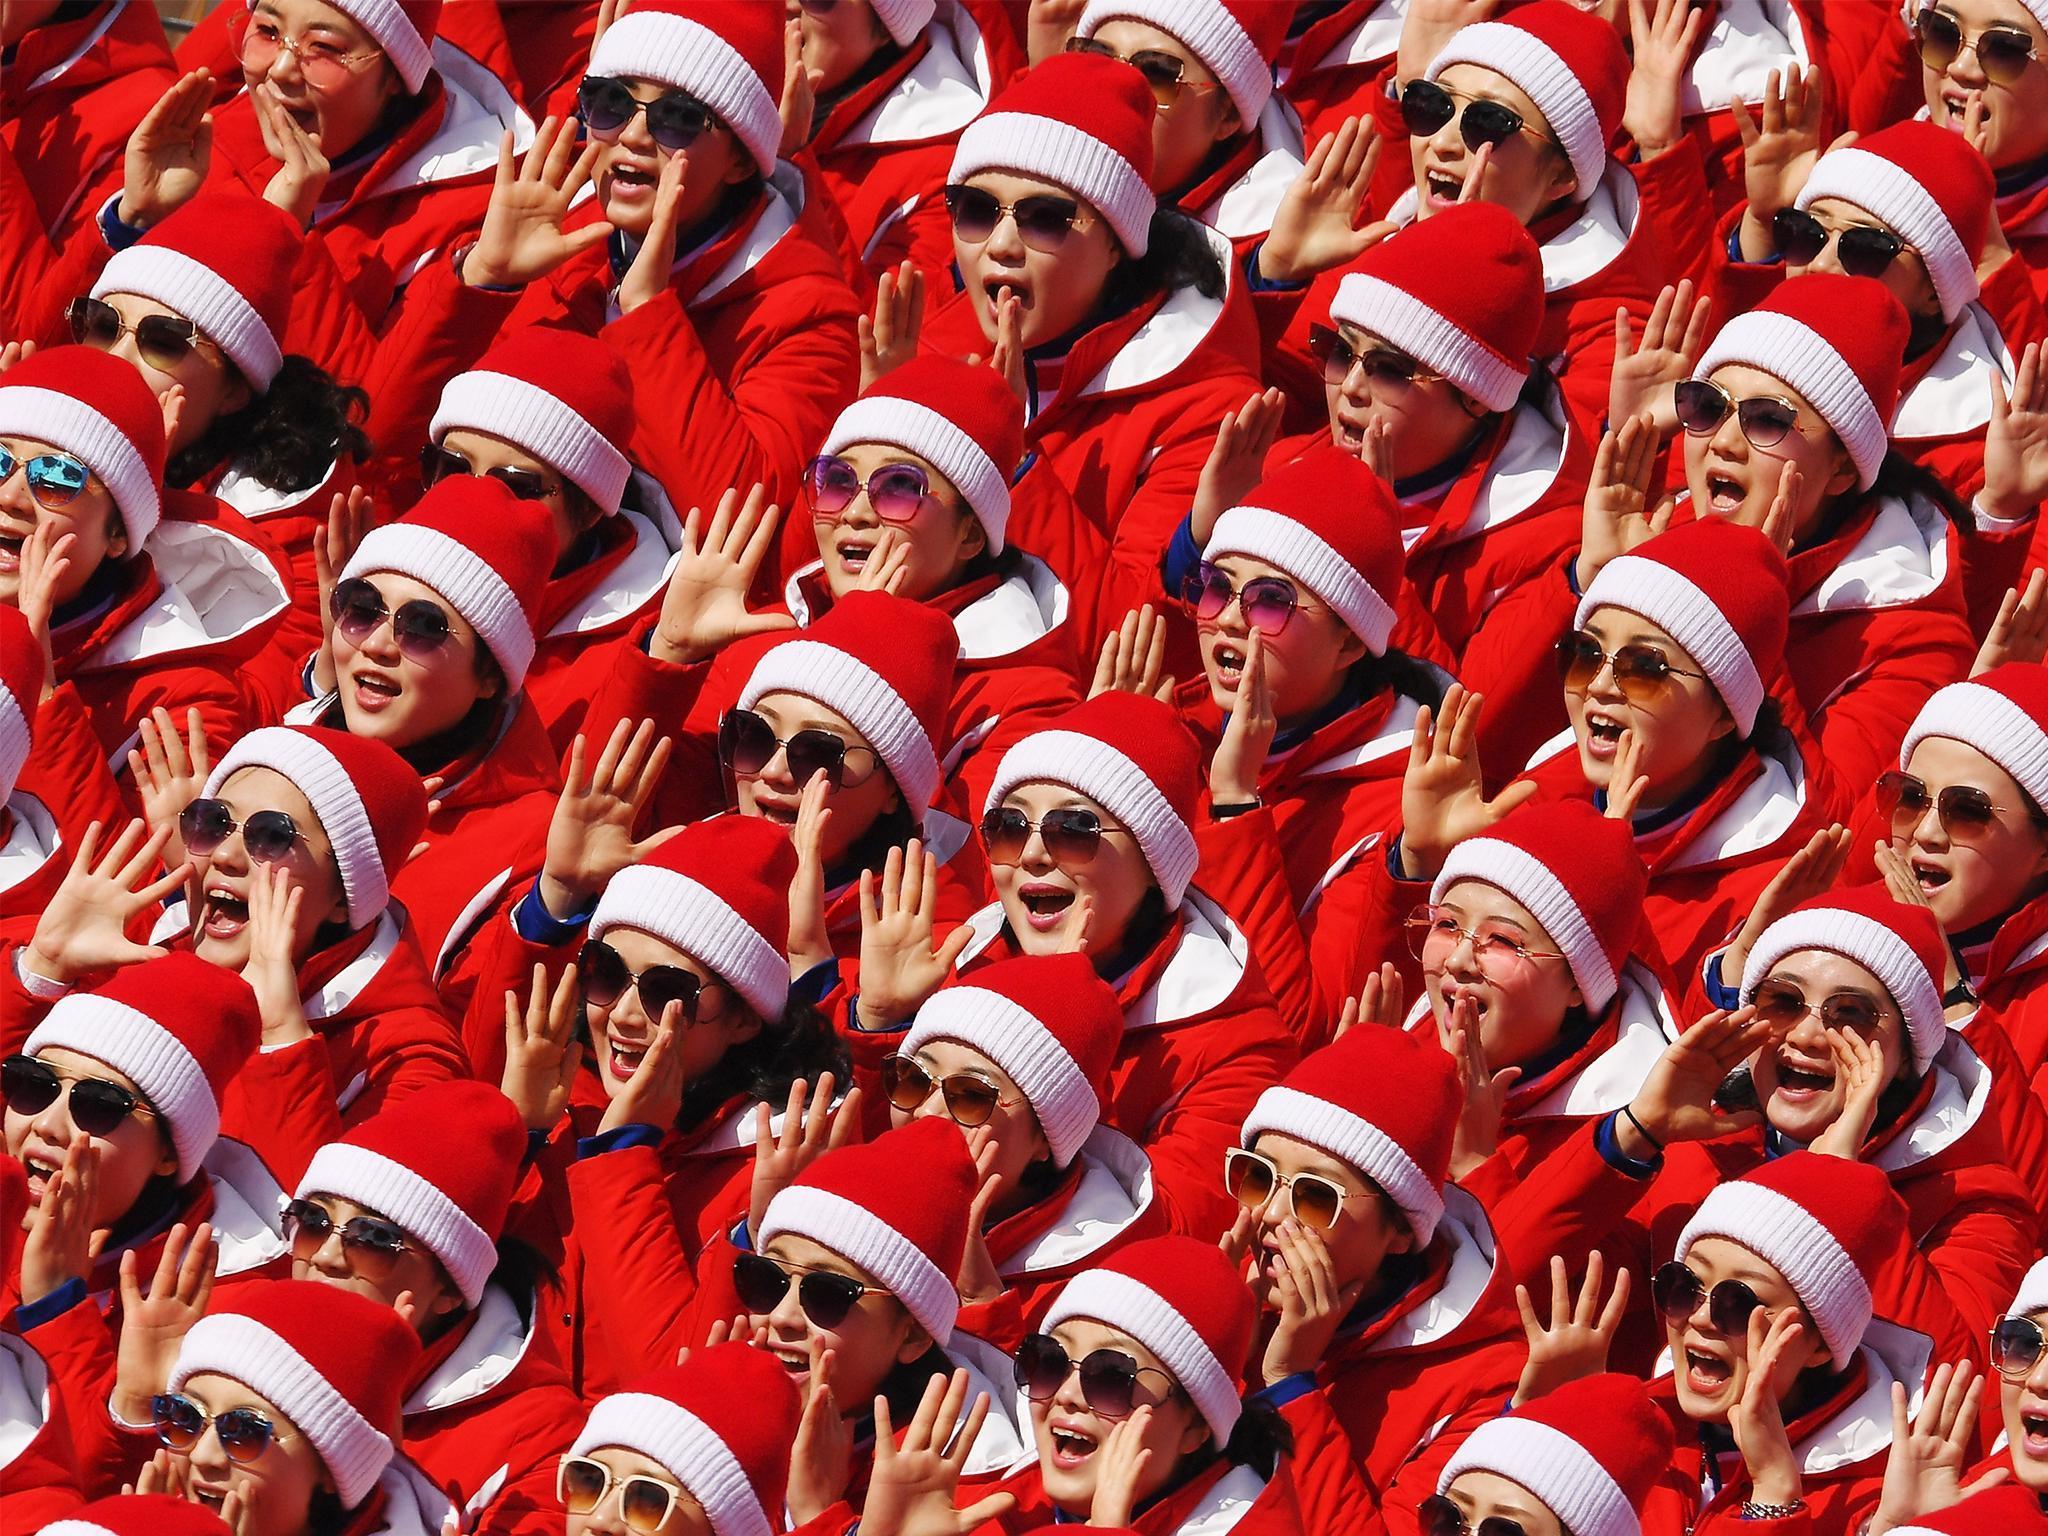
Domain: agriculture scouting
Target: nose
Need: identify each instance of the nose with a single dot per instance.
(1808, 1034)
(1604, 682)
(777, 770)
(788, 1320)
(1928, 831)
(1971, 74)
(1727, 439)
(1069, 1395)
(54, 1123)
(1826, 260)
(331, 1257)
(284, 69)
(1005, 240)
(208, 1454)
(1035, 855)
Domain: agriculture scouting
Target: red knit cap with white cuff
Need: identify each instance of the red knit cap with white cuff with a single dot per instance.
(139, 1514)
(2009, 1509)
(1721, 590)
(1929, 186)
(1078, 121)
(1383, 1101)
(727, 56)
(903, 20)
(1132, 756)
(21, 691)
(886, 664)
(960, 418)
(1236, 40)
(1569, 62)
(1579, 875)
(1900, 945)
(2032, 1295)
(224, 261)
(721, 1424)
(719, 891)
(335, 1364)
(1049, 1022)
(369, 800)
(562, 396)
(1461, 292)
(176, 1027)
(1187, 1304)
(2003, 713)
(1591, 1450)
(1331, 524)
(1826, 1224)
(95, 407)
(404, 29)
(1840, 342)
(895, 1208)
(443, 1163)
(484, 550)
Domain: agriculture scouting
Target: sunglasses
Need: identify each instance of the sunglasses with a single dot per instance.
(897, 492)
(1860, 250)
(244, 1433)
(826, 1297)
(1965, 811)
(164, 341)
(438, 464)
(1251, 1179)
(675, 119)
(971, 1099)
(55, 480)
(1703, 405)
(1677, 1292)
(1043, 220)
(1109, 1377)
(1440, 1517)
(324, 67)
(268, 835)
(747, 744)
(1781, 1004)
(645, 1503)
(1165, 75)
(1387, 367)
(1268, 603)
(1427, 106)
(2016, 1347)
(421, 628)
(1072, 836)
(372, 1245)
(606, 979)
(97, 1106)
(1641, 672)
(2003, 53)
(1434, 932)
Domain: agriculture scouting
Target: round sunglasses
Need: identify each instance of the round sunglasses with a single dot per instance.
(1434, 932)
(55, 480)
(324, 67)
(1440, 1517)
(1677, 1292)
(244, 1433)
(971, 1099)
(1782, 1005)
(1387, 367)
(1268, 603)
(1641, 672)
(675, 119)
(1427, 106)
(1703, 405)
(269, 836)
(2003, 53)
(645, 1503)
(2016, 1347)
(438, 464)
(164, 341)
(1861, 250)
(1109, 1377)
(1072, 835)
(1165, 75)
(606, 978)
(897, 492)
(1044, 219)
(1251, 1177)
(421, 628)
(747, 744)
(97, 1106)
(371, 1245)
(1965, 811)
(826, 1297)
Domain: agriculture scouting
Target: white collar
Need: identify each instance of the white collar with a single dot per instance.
(1522, 472)
(1474, 1257)
(1115, 1189)
(24, 1397)
(248, 1207)
(1749, 39)
(1171, 334)
(1022, 609)
(639, 576)
(1962, 1092)
(478, 110)
(941, 94)
(214, 587)
(1587, 246)
(1612, 1078)
(1758, 817)
(497, 1340)
(253, 499)
(1954, 395)
(1245, 208)
(1901, 558)
(1006, 1443)
(1373, 39)
(31, 843)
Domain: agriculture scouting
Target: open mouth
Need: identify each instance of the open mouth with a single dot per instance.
(1351, 436)
(997, 287)
(1603, 735)
(1442, 188)
(1724, 493)
(776, 811)
(1455, 993)
(1929, 877)
(226, 914)
(374, 690)
(626, 1056)
(1229, 660)
(40, 1171)
(1958, 104)
(1801, 1081)
(1045, 905)
(1707, 1374)
(2034, 1433)
(1070, 1446)
(624, 173)
(10, 550)
(212, 1498)
(855, 556)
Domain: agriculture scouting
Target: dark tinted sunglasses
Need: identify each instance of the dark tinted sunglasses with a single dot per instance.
(605, 978)
(971, 1100)
(645, 1503)
(1703, 405)
(268, 835)
(1860, 250)
(1165, 75)
(1782, 1005)
(1965, 811)
(1677, 1292)
(97, 1106)
(897, 492)
(372, 1245)
(1043, 220)
(1109, 1377)
(1427, 106)
(675, 119)
(1641, 672)
(747, 745)
(1251, 1179)
(164, 341)
(2016, 1346)
(438, 464)
(1268, 603)
(1440, 1517)
(1072, 836)
(1387, 367)
(357, 608)
(2003, 53)
(55, 480)
(826, 1298)
(244, 1433)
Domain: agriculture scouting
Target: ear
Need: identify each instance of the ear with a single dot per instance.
(338, 913)
(1844, 479)
(1228, 123)
(117, 533)
(973, 537)
(489, 687)
(1563, 182)
(742, 1029)
(1195, 1435)
(741, 168)
(1350, 648)
(168, 1163)
(915, 1342)
(237, 394)
(1724, 722)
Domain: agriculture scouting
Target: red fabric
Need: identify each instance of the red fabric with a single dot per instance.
(1275, 1512)
(41, 1476)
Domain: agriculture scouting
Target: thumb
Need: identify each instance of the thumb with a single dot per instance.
(994, 1507)
(1514, 796)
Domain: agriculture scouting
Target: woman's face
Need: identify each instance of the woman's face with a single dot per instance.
(1482, 1495)
(939, 540)
(1521, 1003)
(138, 1150)
(1041, 899)
(1988, 872)
(277, 1488)
(1201, 117)
(1058, 289)
(686, 1518)
(1796, 1078)
(1305, 662)
(1527, 171)
(2015, 115)
(1676, 725)
(1905, 275)
(628, 172)
(774, 792)
(1709, 1367)
(402, 699)
(417, 1271)
(1070, 1434)
(486, 453)
(224, 876)
(621, 1034)
(90, 517)
(878, 1335)
(1426, 420)
(1014, 1129)
(838, 40)
(1368, 1229)
(1729, 476)
(214, 386)
(2024, 1405)
(341, 117)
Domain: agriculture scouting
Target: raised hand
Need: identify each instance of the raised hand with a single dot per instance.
(522, 239)
(1381, 1001)
(1676, 1101)
(1777, 152)
(348, 522)
(45, 560)
(1580, 1332)
(1672, 337)
(888, 340)
(1897, 873)
(84, 929)
(1663, 34)
(16, 352)
(62, 1239)
(1133, 658)
(901, 964)
(654, 1094)
(1124, 1459)
(303, 170)
(821, 1456)
(1628, 783)
(1442, 799)
(169, 771)
(705, 607)
(1240, 759)
(810, 940)
(806, 1134)
(1428, 25)
(162, 1473)
(275, 900)
(1859, 1065)
(1313, 228)
(1621, 510)
(912, 1486)
(1311, 1303)
(2016, 442)
(154, 1325)
(1236, 462)
(542, 1053)
(1007, 355)
(1813, 869)
(2020, 632)
(647, 278)
(1757, 1420)
(1483, 1092)
(169, 152)
(799, 91)
(888, 564)
(1923, 1471)
(1778, 520)
(590, 836)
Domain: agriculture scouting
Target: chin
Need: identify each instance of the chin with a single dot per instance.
(1701, 1410)
(228, 954)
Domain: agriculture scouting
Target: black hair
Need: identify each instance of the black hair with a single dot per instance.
(1769, 737)
(1177, 255)
(325, 1515)
(1260, 1438)
(287, 437)
(1400, 672)
(799, 1044)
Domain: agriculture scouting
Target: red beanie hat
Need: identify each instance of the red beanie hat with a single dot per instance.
(1461, 293)
(727, 56)
(1331, 524)
(369, 800)
(1078, 121)
(721, 1423)
(1236, 40)
(1929, 186)
(2010, 1509)
(138, 1514)
(1049, 1022)
(2003, 713)
(94, 406)
(1384, 1101)
(1132, 756)
(335, 1364)
(895, 1207)
(1591, 1450)
(224, 261)
(484, 550)
(1719, 589)
(1839, 341)
(719, 891)
(21, 692)
(960, 418)
(1900, 944)
(442, 1162)
(562, 396)
(1187, 1304)
(1579, 875)
(404, 29)
(1826, 1224)
(1568, 61)
(886, 664)
(176, 1027)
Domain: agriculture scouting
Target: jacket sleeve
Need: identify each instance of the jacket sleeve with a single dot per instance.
(1979, 1251)
(1860, 728)
(78, 1347)
(637, 1277)
(1186, 1141)
(1241, 867)
(1674, 190)
(1330, 1479)
(642, 688)
(1417, 1478)
(282, 1104)
(67, 768)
